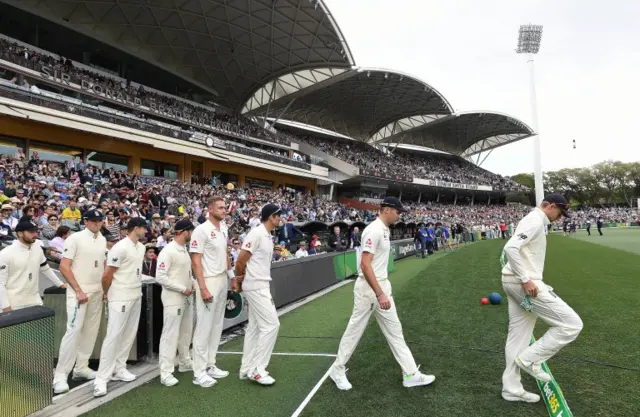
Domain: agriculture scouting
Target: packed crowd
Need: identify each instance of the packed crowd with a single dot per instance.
(57, 194)
(364, 156)
(218, 118)
(425, 166)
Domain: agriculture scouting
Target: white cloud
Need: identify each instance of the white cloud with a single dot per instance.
(586, 72)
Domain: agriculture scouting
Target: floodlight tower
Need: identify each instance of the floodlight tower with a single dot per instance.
(529, 43)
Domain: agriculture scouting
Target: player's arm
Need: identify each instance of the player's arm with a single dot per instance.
(371, 243)
(249, 246)
(522, 237)
(162, 274)
(5, 264)
(68, 253)
(196, 248)
(46, 270)
(114, 261)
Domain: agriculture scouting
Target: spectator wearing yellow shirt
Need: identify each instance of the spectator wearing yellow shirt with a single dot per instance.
(71, 216)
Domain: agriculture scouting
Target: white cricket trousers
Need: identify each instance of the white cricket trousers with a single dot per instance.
(209, 322)
(262, 331)
(177, 327)
(83, 323)
(122, 326)
(365, 303)
(565, 327)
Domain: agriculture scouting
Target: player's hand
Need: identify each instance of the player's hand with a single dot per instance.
(6, 310)
(384, 302)
(530, 288)
(81, 297)
(188, 291)
(63, 286)
(236, 284)
(206, 295)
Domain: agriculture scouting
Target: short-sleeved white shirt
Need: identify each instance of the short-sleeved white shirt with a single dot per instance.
(376, 240)
(87, 254)
(212, 244)
(127, 279)
(258, 273)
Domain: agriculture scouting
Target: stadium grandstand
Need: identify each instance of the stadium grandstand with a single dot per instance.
(147, 109)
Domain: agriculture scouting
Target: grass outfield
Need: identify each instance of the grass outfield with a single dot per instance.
(627, 239)
(450, 334)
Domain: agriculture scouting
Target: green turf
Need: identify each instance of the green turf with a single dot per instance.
(627, 239)
(450, 334)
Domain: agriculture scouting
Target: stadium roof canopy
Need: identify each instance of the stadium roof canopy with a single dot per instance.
(358, 102)
(229, 47)
(464, 134)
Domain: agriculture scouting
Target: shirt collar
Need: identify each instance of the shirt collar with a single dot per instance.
(544, 217)
(384, 226)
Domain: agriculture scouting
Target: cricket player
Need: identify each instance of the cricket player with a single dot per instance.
(253, 275)
(372, 294)
(174, 274)
(20, 267)
(82, 266)
(122, 283)
(529, 298)
(212, 269)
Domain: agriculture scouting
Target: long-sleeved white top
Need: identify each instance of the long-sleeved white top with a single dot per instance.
(525, 251)
(174, 273)
(20, 269)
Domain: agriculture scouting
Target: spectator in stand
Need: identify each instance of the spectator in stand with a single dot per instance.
(149, 264)
(302, 250)
(56, 245)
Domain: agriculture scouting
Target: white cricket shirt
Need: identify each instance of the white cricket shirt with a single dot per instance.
(258, 273)
(20, 268)
(87, 254)
(212, 244)
(127, 279)
(173, 272)
(376, 240)
(525, 251)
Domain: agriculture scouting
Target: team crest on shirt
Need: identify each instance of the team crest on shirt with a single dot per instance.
(522, 236)
(162, 265)
(114, 259)
(194, 244)
(248, 245)
(3, 267)
(213, 234)
(369, 242)
(66, 249)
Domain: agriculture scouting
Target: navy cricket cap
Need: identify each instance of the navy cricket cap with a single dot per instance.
(182, 225)
(93, 215)
(26, 224)
(269, 210)
(393, 202)
(136, 222)
(560, 201)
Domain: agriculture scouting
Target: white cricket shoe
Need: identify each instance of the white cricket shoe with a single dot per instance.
(340, 379)
(262, 377)
(169, 381)
(217, 373)
(60, 387)
(534, 370)
(417, 380)
(123, 375)
(524, 396)
(185, 367)
(99, 390)
(86, 373)
(205, 381)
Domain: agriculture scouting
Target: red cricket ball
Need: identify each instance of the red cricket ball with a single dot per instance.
(484, 301)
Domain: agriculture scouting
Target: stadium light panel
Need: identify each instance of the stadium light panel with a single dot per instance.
(529, 39)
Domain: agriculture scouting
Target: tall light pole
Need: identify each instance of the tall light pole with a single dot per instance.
(529, 43)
